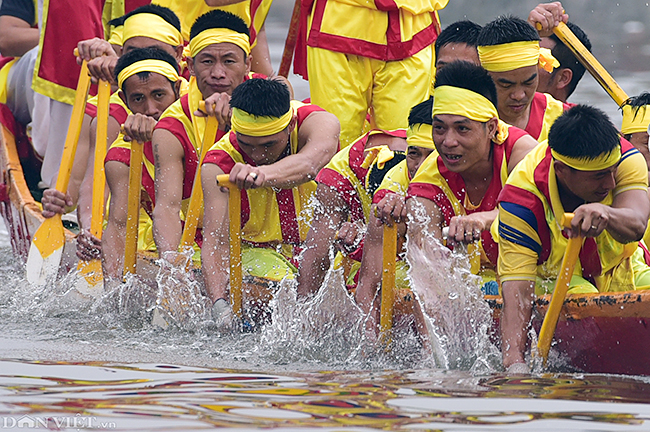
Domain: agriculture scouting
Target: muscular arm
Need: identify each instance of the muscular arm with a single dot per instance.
(214, 251)
(170, 171)
(515, 319)
(371, 266)
(117, 176)
(16, 36)
(330, 213)
(318, 139)
(424, 217)
(261, 62)
(522, 147)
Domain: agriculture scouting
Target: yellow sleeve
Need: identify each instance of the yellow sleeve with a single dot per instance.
(632, 172)
(519, 244)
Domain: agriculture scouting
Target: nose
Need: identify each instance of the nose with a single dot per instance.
(217, 71)
(517, 94)
(609, 182)
(151, 109)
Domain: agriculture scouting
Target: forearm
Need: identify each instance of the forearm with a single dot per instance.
(625, 225)
(113, 249)
(517, 309)
(371, 266)
(215, 264)
(290, 172)
(167, 227)
(15, 42)
(314, 265)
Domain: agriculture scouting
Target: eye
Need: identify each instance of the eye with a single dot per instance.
(463, 128)
(137, 99)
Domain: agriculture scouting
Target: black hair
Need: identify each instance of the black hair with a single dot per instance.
(138, 54)
(506, 29)
(262, 97)
(163, 12)
(638, 103)
(218, 19)
(459, 32)
(376, 175)
(469, 76)
(421, 113)
(567, 59)
(583, 132)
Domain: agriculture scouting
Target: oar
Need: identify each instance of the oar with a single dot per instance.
(388, 281)
(196, 199)
(133, 208)
(92, 270)
(561, 287)
(46, 249)
(290, 43)
(564, 33)
(234, 217)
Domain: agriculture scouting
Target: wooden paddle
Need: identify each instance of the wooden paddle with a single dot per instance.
(388, 282)
(92, 270)
(46, 249)
(234, 217)
(564, 33)
(196, 199)
(290, 43)
(561, 287)
(133, 208)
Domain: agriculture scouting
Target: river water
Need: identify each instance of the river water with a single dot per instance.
(71, 364)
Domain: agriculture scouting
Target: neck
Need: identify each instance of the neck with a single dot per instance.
(520, 121)
(477, 179)
(569, 200)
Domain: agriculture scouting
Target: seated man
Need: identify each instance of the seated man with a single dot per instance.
(456, 42)
(458, 186)
(636, 119)
(272, 153)
(588, 170)
(149, 82)
(390, 204)
(508, 48)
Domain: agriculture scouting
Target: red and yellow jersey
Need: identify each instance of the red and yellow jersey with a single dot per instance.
(270, 217)
(396, 180)
(117, 108)
(543, 112)
(531, 241)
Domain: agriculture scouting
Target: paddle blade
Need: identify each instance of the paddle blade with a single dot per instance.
(45, 252)
(91, 279)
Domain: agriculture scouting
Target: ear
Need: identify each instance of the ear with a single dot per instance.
(492, 126)
(178, 53)
(249, 63)
(292, 124)
(190, 65)
(177, 88)
(561, 169)
(122, 96)
(563, 78)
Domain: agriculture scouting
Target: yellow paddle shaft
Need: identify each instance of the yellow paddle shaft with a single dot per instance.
(561, 287)
(196, 199)
(99, 176)
(234, 216)
(564, 33)
(388, 281)
(133, 208)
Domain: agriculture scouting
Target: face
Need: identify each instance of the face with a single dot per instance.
(219, 68)
(265, 150)
(545, 84)
(138, 42)
(590, 186)
(150, 96)
(414, 157)
(454, 52)
(515, 91)
(462, 143)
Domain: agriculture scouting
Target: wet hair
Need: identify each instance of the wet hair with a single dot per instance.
(459, 32)
(506, 29)
(163, 12)
(583, 132)
(218, 19)
(638, 103)
(469, 76)
(421, 113)
(566, 57)
(138, 54)
(262, 97)
(376, 175)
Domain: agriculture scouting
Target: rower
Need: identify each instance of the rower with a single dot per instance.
(509, 50)
(389, 206)
(219, 61)
(636, 119)
(456, 42)
(587, 169)
(457, 187)
(273, 152)
(149, 82)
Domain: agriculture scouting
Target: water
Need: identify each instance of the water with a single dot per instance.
(101, 365)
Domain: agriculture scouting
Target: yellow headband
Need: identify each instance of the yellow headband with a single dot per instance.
(602, 162)
(151, 26)
(515, 55)
(635, 119)
(218, 35)
(466, 103)
(419, 135)
(251, 125)
(149, 65)
(116, 35)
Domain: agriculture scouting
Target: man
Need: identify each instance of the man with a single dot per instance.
(509, 50)
(457, 186)
(273, 152)
(587, 170)
(636, 119)
(456, 42)
(149, 82)
(378, 62)
(219, 61)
